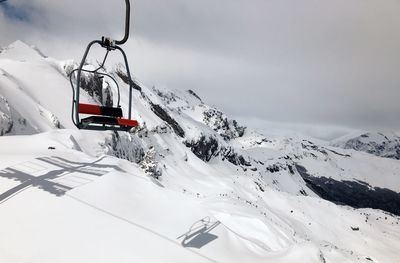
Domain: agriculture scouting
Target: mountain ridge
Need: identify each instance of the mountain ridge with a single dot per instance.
(381, 144)
(253, 185)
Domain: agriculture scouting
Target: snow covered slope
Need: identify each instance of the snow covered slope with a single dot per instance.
(380, 144)
(192, 185)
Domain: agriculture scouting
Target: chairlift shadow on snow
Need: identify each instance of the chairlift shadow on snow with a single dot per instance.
(46, 182)
(199, 233)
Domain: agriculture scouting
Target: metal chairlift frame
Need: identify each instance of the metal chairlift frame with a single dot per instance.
(107, 121)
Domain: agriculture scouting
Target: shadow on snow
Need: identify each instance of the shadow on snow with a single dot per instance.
(46, 181)
(199, 233)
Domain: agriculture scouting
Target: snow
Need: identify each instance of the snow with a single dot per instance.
(124, 215)
(384, 144)
(66, 197)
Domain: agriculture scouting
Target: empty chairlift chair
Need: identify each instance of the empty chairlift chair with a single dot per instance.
(98, 117)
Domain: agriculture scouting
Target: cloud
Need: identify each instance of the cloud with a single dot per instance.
(282, 129)
(320, 62)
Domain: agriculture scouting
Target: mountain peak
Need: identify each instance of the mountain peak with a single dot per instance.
(19, 50)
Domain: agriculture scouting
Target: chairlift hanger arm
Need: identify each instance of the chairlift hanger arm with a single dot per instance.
(127, 23)
(110, 43)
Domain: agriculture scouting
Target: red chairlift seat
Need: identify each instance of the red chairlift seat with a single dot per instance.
(107, 116)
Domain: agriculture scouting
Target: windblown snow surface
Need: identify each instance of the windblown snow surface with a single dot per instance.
(191, 185)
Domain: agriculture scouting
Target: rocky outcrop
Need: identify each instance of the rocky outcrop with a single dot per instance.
(233, 157)
(191, 92)
(356, 194)
(206, 147)
(124, 77)
(93, 85)
(6, 123)
(228, 129)
(150, 165)
(379, 144)
(163, 115)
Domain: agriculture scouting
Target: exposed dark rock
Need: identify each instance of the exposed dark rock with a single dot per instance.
(92, 84)
(8, 129)
(355, 194)
(161, 129)
(337, 153)
(234, 158)
(239, 129)
(307, 145)
(168, 97)
(262, 141)
(136, 86)
(205, 147)
(377, 144)
(273, 168)
(6, 120)
(303, 192)
(228, 129)
(191, 92)
(150, 165)
(259, 186)
(107, 96)
(162, 114)
(291, 171)
(124, 77)
(321, 256)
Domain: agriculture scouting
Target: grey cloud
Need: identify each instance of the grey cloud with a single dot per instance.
(327, 62)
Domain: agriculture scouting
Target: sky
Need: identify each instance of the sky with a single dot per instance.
(322, 67)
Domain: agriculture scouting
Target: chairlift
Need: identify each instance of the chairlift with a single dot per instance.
(100, 117)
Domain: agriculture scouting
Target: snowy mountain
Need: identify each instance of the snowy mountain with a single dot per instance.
(191, 185)
(380, 144)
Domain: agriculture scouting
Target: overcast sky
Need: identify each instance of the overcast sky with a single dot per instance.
(301, 63)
